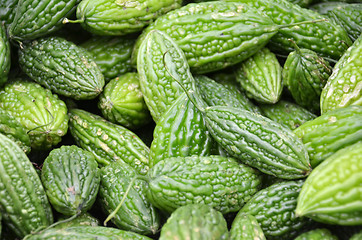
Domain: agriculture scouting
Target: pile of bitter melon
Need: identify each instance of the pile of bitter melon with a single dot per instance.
(175, 120)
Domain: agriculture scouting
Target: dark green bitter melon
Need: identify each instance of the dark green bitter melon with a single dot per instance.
(347, 15)
(4, 55)
(180, 132)
(71, 178)
(305, 74)
(287, 113)
(23, 202)
(274, 208)
(203, 223)
(108, 142)
(122, 102)
(7, 11)
(215, 93)
(41, 113)
(111, 54)
(258, 141)
(109, 17)
(37, 18)
(325, 38)
(136, 214)
(219, 182)
(61, 66)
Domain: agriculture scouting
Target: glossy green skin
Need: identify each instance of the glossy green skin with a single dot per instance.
(330, 132)
(347, 15)
(261, 76)
(214, 93)
(211, 224)
(41, 113)
(85, 219)
(357, 236)
(274, 207)
(246, 227)
(214, 35)
(108, 142)
(180, 132)
(160, 61)
(34, 19)
(136, 213)
(317, 234)
(111, 54)
(344, 86)
(10, 127)
(62, 67)
(87, 233)
(288, 114)
(219, 182)
(305, 74)
(7, 11)
(109, 17)
(71, 178)
(323, 37)
(23, 202)
(258, 142)
(4, 55)
(331, 194)
(122, 102)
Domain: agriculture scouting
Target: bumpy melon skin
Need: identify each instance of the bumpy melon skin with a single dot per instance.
(274, 208)
(136, 214)
(344, 86)
(71, 178)
(245, 227)
(331, 194)
(38, 110)
(122, 102)
(23, 202)
(219, 182)
(4, 55)
(203, 223)
(180, 132)
(62, 66)
(109, 17)
(107, 141)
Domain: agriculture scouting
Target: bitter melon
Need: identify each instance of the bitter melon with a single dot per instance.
(344, 86)
(122, 102)
(71, 178)
(180, 132)
(23, 202)
(136, 214)
(219, 182)
(61, 66)
(203, 223)
(41, 113)
(108, 142)
(331, 194)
